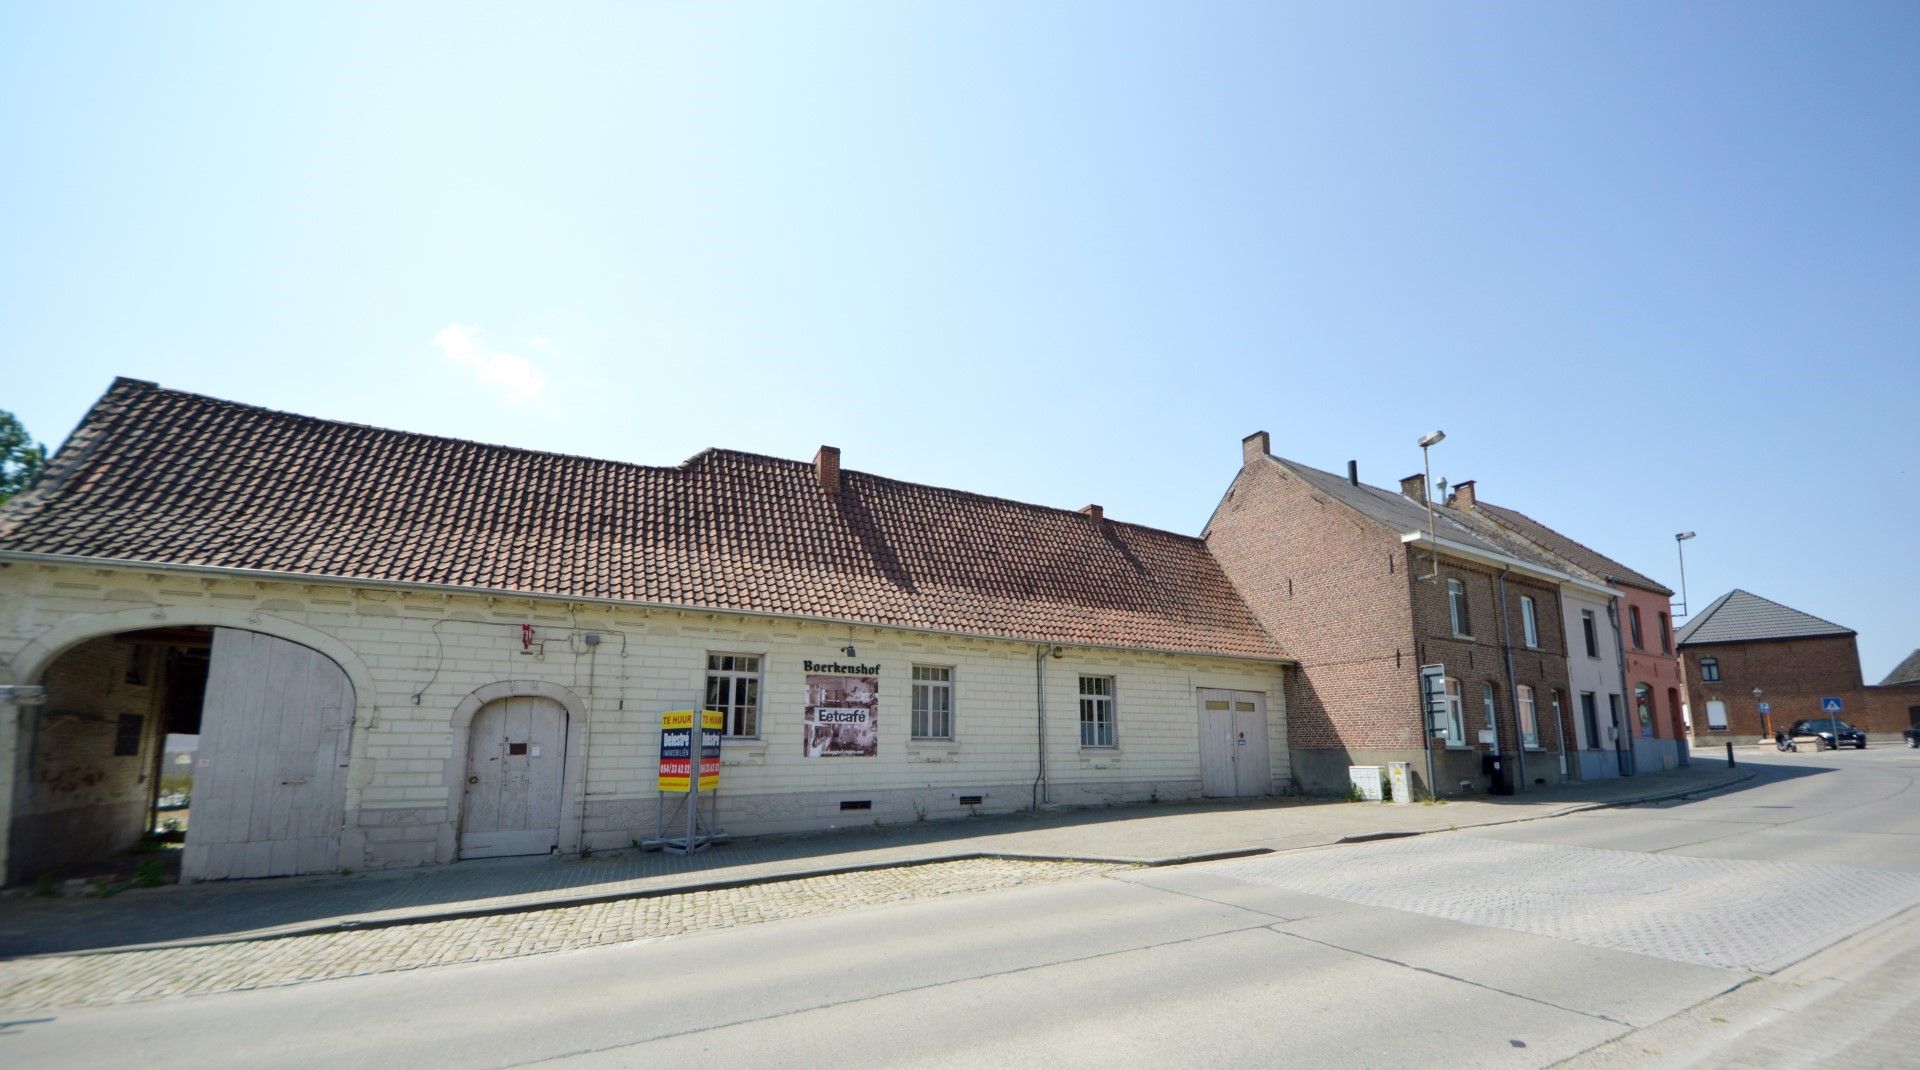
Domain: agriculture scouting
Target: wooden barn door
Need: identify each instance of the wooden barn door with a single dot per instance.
(269, 798)
(516, 762)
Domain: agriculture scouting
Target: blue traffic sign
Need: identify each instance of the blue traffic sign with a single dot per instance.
(1829, 705)
(1766, 707)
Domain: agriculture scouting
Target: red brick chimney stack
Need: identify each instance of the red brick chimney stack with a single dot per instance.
(826, 466)
(1462, 497)
(1094, 511)
(1254, 447)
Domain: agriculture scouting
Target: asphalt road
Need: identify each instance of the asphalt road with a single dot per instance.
(1671, 934)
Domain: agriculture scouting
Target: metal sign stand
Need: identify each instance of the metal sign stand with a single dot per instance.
(699, 835)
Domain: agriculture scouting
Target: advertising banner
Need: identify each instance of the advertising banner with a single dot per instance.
(842, 717)
(713, 727)
(676, 750)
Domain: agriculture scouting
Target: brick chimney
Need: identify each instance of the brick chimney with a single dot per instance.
(1254, 447)
(1415, 487)
(1094, 511)
(826, 467)
(1462, 496)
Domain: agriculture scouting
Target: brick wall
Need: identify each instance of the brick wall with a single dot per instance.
(1478, 661)
(402, 802)
(1647, 664)
(1341, 593)
(1331, 587)
(1793, 675)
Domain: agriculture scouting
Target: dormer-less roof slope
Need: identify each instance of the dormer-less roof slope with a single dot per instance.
(1577, 553)
(1404, 515)
(1907, 672)
(163, 477)
(1741, 617)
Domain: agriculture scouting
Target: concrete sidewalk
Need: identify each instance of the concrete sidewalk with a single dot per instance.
(1153, 835)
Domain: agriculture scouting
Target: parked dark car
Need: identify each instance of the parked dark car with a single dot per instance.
(1913, 736)
(1824, 728)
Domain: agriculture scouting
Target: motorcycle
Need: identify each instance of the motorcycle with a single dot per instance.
(1782, 741)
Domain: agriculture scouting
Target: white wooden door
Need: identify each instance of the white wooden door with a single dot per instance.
(1252, 769)
(269, 798)
(516, 762)
(1233, 744)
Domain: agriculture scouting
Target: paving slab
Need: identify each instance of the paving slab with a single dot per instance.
(1154, 835)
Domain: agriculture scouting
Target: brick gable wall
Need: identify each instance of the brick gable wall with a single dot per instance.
(1793, 675)
(1331, 588)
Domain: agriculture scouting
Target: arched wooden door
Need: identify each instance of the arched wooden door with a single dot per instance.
(269, 796)
(516, 766)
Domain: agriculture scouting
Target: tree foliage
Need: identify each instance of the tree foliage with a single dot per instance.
(21, 458)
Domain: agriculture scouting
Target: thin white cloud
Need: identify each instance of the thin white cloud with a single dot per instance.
(518, 378)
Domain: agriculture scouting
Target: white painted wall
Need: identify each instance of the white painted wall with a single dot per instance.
(1600, 675)
(402, 801)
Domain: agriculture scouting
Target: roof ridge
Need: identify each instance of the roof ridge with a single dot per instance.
(422, 436)
(973, 494)
(1563, 535)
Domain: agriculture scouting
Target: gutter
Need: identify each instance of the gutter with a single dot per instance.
(305, 578)
(1500, 560)
(1513, 693)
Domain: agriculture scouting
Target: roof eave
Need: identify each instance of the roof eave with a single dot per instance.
(1525, 568)
(269, 575)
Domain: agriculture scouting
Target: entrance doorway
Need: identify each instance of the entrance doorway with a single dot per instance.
(516, 765)
(1233, 744)
(229, 745)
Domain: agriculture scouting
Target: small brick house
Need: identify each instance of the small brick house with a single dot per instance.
(395, 649)
(1363, 587)
(1743, 643)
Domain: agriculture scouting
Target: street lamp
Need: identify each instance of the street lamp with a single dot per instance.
(1680, 545)
(1427, 442)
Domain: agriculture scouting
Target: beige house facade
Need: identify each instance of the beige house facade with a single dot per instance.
(370, 677)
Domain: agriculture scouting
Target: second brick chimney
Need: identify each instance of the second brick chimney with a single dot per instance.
(1462, 496)
(1415, 487)
(826, 467)
(1095, 512)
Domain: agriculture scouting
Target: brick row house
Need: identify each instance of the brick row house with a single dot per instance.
(1626, 676)
(395, 649)
(1363, 586)
(1744, 651)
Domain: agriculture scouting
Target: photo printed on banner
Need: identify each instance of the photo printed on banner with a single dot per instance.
(842, 717)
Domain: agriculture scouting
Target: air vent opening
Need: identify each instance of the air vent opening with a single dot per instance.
(972, 800)
(856, 804)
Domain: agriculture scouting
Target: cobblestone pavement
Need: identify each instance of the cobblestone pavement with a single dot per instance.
(1729, 913)
(123, 977)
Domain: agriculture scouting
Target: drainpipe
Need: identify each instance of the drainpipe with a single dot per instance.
(1040, 794)
(1513, 694)
(1620, 652)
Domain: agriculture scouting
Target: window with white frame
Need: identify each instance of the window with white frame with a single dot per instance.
(1590, 632)
(932, 702)
(1666, 636)
(1096, 712)
(1456, 715)
(1457, 608)
(1709, 670)
(1529, 718)
(1486, 705)
(1529, 622)
(1633, 627)
(733, 688)
(1716, 715)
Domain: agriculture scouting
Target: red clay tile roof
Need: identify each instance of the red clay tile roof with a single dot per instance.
(166, 477)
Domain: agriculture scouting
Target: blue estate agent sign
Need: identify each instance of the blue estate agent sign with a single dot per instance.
(1829, 705)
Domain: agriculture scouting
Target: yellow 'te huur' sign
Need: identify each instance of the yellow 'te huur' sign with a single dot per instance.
(677, 749)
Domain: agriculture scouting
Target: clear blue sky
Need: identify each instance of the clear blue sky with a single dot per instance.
(1652, 267)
